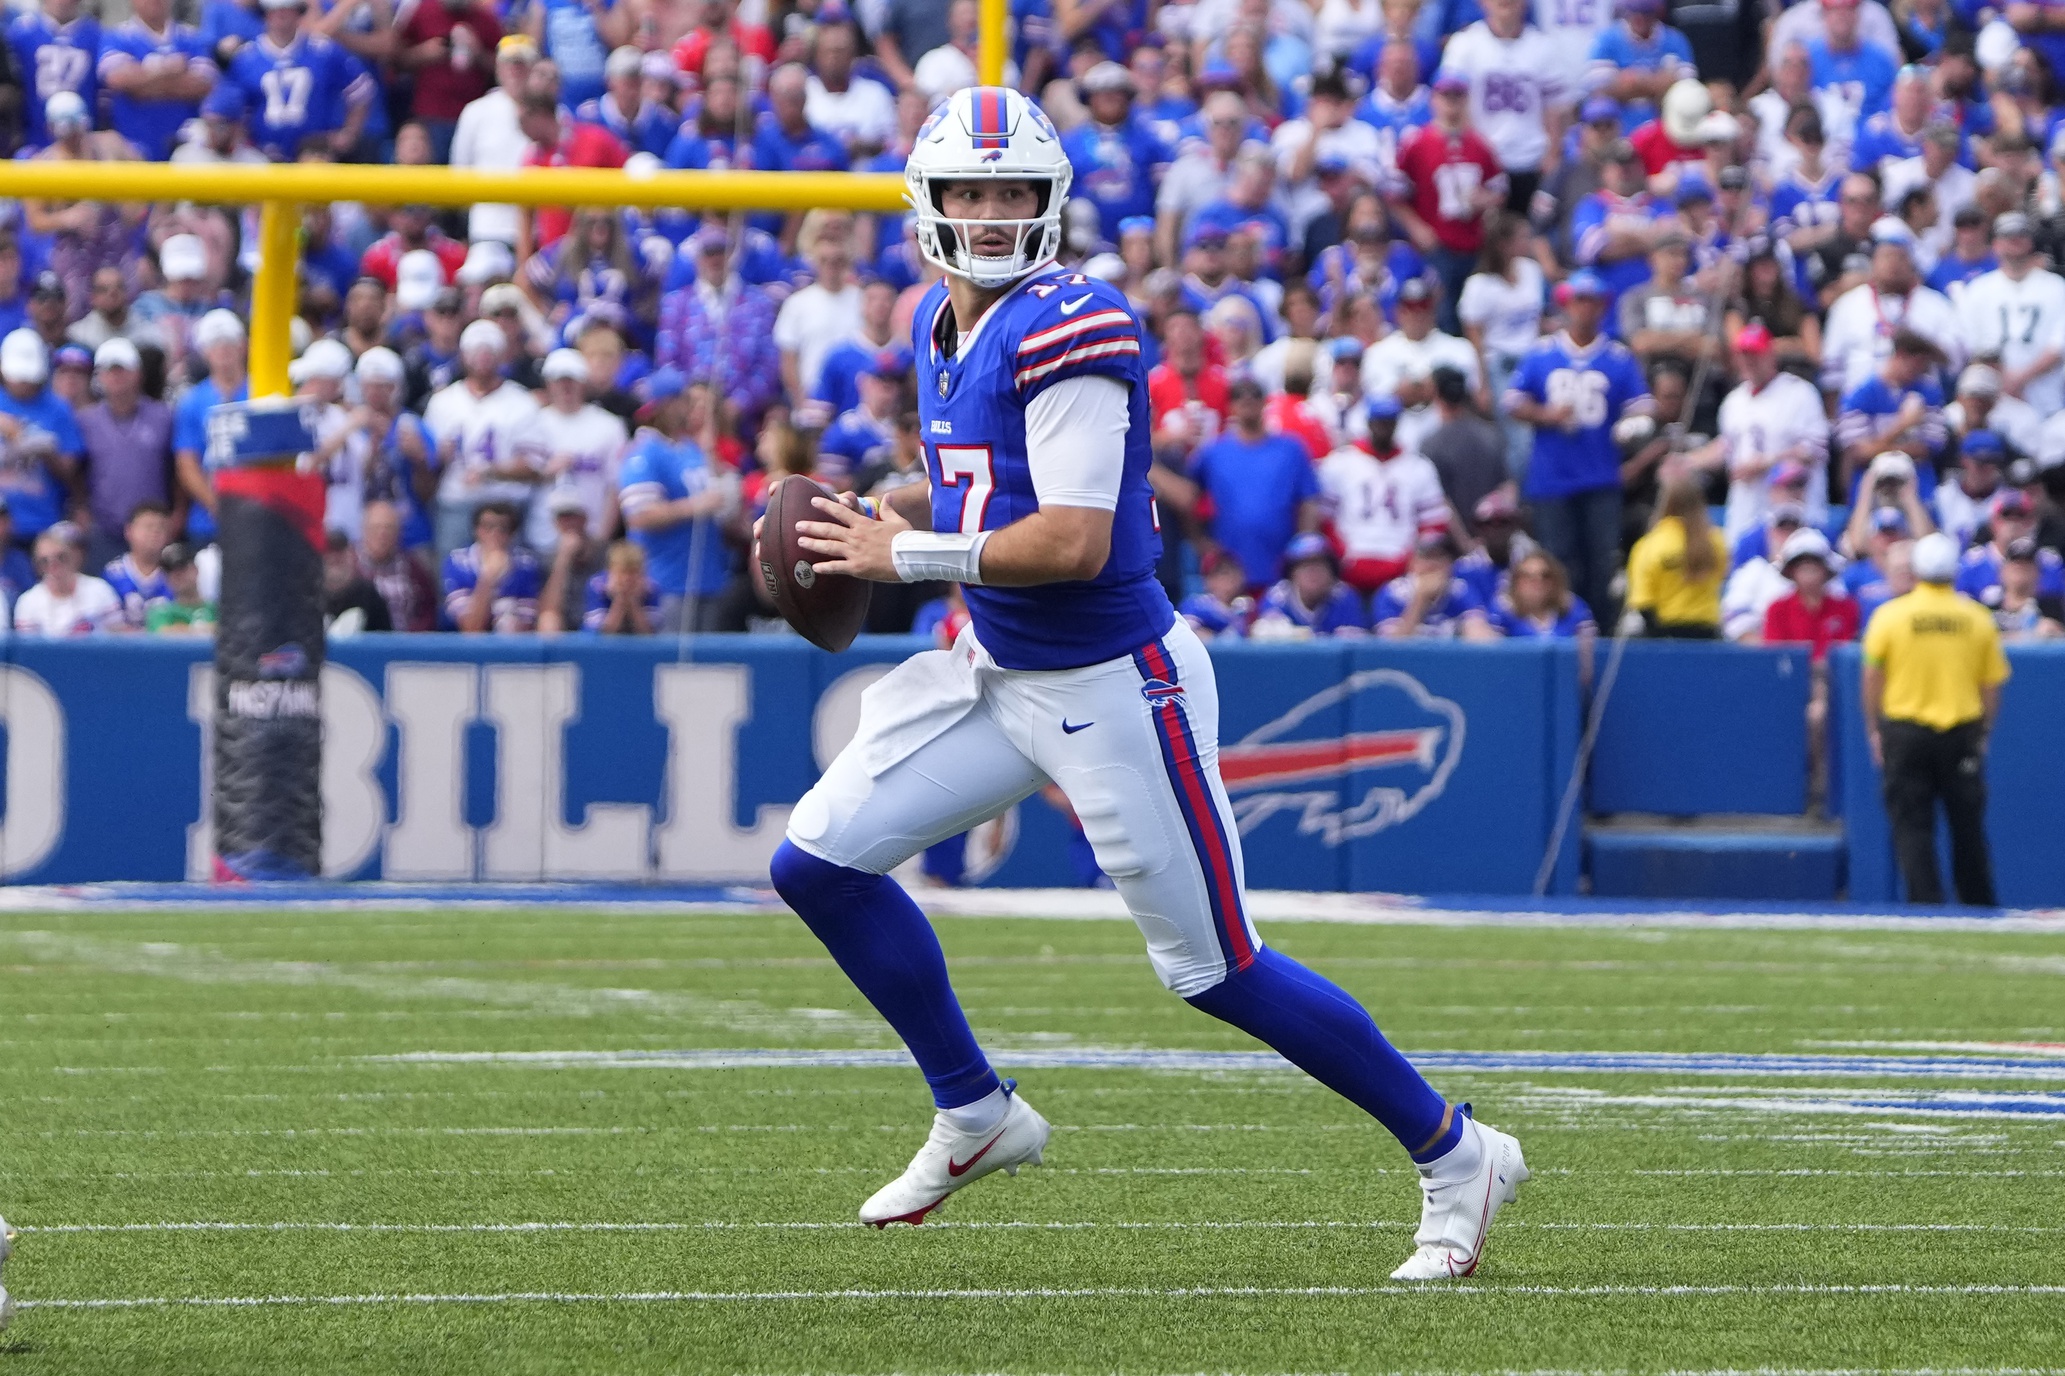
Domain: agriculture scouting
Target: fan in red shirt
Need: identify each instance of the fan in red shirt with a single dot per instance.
(1453, 176)
(452, 69)
(410, 228)
(1678, 134)
(557, 142)
(752, 40)
(1810, 614)
(1186, 393)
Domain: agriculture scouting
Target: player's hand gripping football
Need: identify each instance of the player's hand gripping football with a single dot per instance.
(857, 545)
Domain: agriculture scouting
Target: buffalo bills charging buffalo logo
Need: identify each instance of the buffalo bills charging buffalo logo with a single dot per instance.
(1344, 783)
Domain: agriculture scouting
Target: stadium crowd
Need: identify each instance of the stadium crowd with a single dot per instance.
(1470, 322)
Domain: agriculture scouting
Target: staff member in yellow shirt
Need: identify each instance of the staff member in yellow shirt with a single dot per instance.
(1675, 571)
(1933, 668)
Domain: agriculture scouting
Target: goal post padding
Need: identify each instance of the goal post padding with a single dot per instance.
(268, 643)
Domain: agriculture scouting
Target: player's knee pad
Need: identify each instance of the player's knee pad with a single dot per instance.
(811, 885)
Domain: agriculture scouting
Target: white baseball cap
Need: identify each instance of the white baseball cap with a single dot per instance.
(483, 336)
(381, 364)
(490, 260)
(117, 352)
(183, 258)
(418, 278)
(218, 327)
(325, 358)
(65, 107)
(23, 358)
(1935, 558)
(564, 363)
(625, 61)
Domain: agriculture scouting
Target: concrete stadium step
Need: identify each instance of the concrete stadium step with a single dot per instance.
(1737, 857)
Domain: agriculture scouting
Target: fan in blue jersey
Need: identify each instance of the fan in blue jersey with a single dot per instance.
(1637, 59)
(641, 125)
(299, 86)
(2013, 518)
(1895, 132)
(864, 433)
(1613, 228)
(1310, 598)
(1537, 603)
(227, 25)
(1970, 255)
(1224, 607)
(137, 577)
(1839, 63)
(40, 444)
(1429, 601)
(493, 583)
(1074, 671)
(1118, 160)
(709, 139)
(56, 49)
(159, 71)
(1398, 103)
(674, 499)
(1575, 389)
(786, 141)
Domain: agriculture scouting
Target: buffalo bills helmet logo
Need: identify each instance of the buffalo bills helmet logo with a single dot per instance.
(289, 661)
(1341, 786)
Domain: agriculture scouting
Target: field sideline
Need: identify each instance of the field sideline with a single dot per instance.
(507, 1139)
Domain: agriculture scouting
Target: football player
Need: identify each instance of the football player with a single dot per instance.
(1075, 671)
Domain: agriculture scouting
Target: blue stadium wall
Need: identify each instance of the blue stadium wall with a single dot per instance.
(1364, 766)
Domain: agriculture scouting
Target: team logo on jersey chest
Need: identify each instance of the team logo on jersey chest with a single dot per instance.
(946, 383)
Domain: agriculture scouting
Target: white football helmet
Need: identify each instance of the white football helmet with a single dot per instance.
(987, 131)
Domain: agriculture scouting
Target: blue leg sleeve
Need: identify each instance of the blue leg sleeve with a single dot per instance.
(1321, 1029)
(890, 952)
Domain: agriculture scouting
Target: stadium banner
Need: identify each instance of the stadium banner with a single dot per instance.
(1351, 765)
(2022, 816)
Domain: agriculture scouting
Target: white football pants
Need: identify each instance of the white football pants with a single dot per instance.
(1133, 742)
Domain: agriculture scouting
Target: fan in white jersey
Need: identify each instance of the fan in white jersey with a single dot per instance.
(2015, 315)
(476, 421)
(1772, 420)
(575, 444)
(1402, 363)
(1381, 500)
(1858, 335)
(1573, 27)
(67, 602)
(1515, 81)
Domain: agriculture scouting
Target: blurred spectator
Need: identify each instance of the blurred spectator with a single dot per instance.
(138, 576)
(640, 123)
(412, 229)
(1816, 612)
(351, 604)
(785, 140)
(557, 141)
(184, 611)
(1310, 599)
(489, 135)
(1962, 501)
(950, 66)
(401, 465)
(1224, 607)
(674, 499)
(1454, 181)
(1675, 571)
(109, 317)
(621, 599)
(1429, 601)
(1516, 89)
(306, 90)
(65, 602)
(40, 447)
(2013, 517)
(574, 445)
(1898, 409)
(1500, 313)
(405, 585)
(166, 316)
(479, 421)
(864, 434)
(2023, 610)
(1201, 172)
(822, 313)
(446, 45)
(719, 330)
(576, 556)
(1380, 501)
(1856, 344)
(859, 112)
(1119, 162)
(838, 385)
(1260, 487)
(909, 30)
(1773, 423)
(1402, 363)
(1980, 406)
(1536, 602)
(158, 71)
(1754, 581)
(579, 36)
(492, 584)
(1468, 451)
(219, 339)
(220, 135)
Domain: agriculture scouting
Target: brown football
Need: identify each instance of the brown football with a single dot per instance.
(827, 609)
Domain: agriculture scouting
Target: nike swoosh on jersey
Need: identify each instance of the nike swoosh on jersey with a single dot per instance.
(960, 1168)
(1068, 730)
(1071, 307)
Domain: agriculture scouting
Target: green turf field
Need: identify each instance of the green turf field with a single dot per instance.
(303, 1078)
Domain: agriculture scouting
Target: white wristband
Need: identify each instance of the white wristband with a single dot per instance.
(927, 556)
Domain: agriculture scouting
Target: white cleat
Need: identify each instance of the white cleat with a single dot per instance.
(951, 1159)
(1456, 1214)
(6, 1246)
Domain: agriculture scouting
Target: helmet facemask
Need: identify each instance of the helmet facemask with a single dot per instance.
(946, 241)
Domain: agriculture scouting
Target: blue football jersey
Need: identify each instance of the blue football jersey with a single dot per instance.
(1598, 383)
(1052, 326)
(54, 57)
(153, 125)
(298, 92)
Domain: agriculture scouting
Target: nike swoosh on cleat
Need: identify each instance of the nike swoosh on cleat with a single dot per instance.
(1071, 307)
(960, 1168)
(1068, 730)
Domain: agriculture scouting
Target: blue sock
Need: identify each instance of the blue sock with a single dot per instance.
(1318, 1027)
(890, 952)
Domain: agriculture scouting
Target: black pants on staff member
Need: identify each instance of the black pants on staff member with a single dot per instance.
(1924, 765)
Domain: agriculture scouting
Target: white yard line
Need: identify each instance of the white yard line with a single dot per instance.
(1115, 1292)
(1238, 1225)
